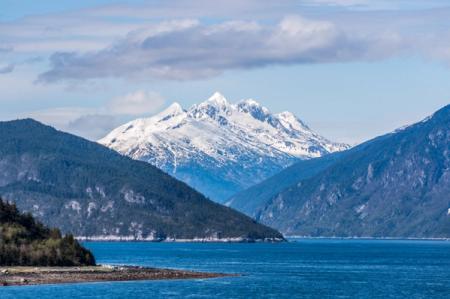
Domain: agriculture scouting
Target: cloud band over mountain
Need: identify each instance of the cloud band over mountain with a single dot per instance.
(184, 50)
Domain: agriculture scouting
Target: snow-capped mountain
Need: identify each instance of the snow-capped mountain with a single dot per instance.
(217, 147)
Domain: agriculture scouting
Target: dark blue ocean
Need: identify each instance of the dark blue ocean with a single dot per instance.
(298, 269)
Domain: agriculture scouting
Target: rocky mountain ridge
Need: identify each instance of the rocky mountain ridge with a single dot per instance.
(396, 185)
(217, 147)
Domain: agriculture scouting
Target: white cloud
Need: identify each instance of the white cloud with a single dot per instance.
(5, 69)
(195, 39)
(58, 117)
(373, 5)
(187, 50)
(340, 2)
(135, 103)
(94, 123)
(93, 126)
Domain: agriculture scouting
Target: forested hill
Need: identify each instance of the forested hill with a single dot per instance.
(91, 191)
(26, 242)
(396, 185)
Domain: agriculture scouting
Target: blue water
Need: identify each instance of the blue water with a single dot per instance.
(298, 269)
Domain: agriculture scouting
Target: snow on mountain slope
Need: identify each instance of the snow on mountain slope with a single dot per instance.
(217, 147)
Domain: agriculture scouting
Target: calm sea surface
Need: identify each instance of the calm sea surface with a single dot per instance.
(298, 269)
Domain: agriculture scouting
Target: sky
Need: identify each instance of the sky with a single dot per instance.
(350, 69)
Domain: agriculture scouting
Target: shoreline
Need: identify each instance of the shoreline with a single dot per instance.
(175, 240)
(242, 240)
(368, 238)
(22, 276)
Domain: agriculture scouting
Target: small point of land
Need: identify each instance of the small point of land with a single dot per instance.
(18, 276)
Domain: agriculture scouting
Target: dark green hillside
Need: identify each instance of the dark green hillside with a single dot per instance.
(26, 242)
(252, 199)
(91, 191)
(396, 185)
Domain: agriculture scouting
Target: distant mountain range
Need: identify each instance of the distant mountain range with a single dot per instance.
(217, 147)
(396, 185)
(93, 192)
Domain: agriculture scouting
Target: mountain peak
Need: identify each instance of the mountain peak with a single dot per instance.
(218, 98)
(442, 113)
(286, 114)
(211, 108)
(174, 109)
(250, 102)
(255, 109)
(289, 119)
(23, 121)
(244, 139)
(176, 106)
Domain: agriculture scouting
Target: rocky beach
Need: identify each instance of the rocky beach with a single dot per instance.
(17, 276)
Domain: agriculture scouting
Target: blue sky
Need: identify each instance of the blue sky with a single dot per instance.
(351, 69)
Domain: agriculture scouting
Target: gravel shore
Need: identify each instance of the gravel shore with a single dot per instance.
(10, 276)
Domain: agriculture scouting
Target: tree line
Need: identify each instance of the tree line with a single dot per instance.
(27, 242)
